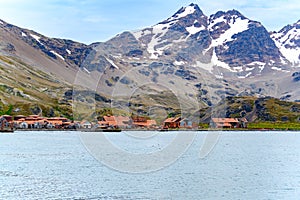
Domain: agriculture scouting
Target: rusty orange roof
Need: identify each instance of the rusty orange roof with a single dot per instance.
(116, 120)
(147, 123)
(169, 119)
(57, 118)
(226, 124)
(56, 122)
(109, 118)
(34, 118)
(19, 121)
(223, 125)
(121, 120)
(173, 119)
(103, 122)
(31, 122)
(152, 122)
(225, 120)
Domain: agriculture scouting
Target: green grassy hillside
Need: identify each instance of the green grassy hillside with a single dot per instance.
(256, 110)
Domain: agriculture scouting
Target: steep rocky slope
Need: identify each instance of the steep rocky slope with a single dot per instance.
(264, 109)
(192, 59)
(288, 41)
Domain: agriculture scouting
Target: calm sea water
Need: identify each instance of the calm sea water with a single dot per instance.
(243, 165)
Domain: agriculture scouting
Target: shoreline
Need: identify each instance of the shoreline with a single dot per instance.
(158, 130)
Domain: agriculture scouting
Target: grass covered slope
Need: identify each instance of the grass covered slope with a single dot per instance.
(24, 90)
(264, 112)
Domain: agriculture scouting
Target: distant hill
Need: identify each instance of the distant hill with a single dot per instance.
(265, 109)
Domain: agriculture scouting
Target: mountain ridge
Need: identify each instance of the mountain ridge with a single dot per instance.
(200, 59)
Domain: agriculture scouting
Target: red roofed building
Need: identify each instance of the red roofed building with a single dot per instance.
(173, 122)
(57, 122)
(115, 121)
(228, 123)
(123, 121)
(145, 124)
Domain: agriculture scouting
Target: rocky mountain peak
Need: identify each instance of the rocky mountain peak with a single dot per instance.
(236, 46)
(222, 21)
(159, 40)
(226, 39)
(192, 9)
(190, 16)
(234, 54)
(288, 41)
(287, 28)
(228, 15)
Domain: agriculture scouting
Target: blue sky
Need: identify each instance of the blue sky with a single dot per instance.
(90, 21)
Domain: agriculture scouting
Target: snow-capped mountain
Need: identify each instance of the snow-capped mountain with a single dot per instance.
(288, 41)
(241, 45)
(227, 41)
(207, 57)
(174, 34)
(226, 45)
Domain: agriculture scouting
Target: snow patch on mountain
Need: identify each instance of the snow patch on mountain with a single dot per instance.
(206, 66)
(158, 31)
(237, 25)
(58, 55)
(112, 63)
(23, 34)
(178, 63)
(258, 63)
(279, 69)
(86, 70)
(238, 69)
(37, 38)
(246, 76)
(213, 24)
(286, 40)
(249, 69)
(187, 11)
(193, 29)
(291, 54)
(138, 34)
(219, 63)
